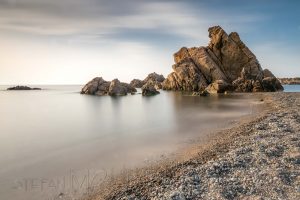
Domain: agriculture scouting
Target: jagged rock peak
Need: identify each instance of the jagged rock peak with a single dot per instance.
(225, 64)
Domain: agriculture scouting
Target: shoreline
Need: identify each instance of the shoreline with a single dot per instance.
(245, 162)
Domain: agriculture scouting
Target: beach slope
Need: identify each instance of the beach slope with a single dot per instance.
(257, 159)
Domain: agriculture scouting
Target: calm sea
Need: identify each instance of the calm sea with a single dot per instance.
(56, 143)
(291, 88)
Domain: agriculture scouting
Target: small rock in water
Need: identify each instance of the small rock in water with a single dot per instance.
(149, 90)
(22, 88)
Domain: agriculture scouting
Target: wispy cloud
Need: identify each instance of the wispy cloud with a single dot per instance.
(110, 18)
(86, 36)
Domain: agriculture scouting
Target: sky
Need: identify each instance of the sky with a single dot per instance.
(73, 41)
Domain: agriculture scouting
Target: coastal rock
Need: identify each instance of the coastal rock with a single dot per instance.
(203, 93)
(270, 82)
(22, 88)
(116, 88)
(149, 90)
(219, 86)
(153, 79)
(186, 75)
(129, 88)
(136, 83)
(226, 64)
(98, 86)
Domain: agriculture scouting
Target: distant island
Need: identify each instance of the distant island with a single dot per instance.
(225, 65)
(290, 81)
(22, 88)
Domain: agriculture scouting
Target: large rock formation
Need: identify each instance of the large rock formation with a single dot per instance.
(226, 64)
(152, 79)
(98, 86)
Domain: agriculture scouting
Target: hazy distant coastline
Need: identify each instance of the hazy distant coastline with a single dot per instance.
(290, 81)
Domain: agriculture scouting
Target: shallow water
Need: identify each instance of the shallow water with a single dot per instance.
(57, 142)
(291, 88)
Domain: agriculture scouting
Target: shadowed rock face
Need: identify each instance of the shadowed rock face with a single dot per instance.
(98, 86)
(137, 83)
(226, 64)
(149, 90)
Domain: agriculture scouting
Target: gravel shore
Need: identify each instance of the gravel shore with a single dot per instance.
(258, 159)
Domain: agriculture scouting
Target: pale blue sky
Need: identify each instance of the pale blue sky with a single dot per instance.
(72, 41)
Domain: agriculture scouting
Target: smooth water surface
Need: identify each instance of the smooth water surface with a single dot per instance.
(56, 143)
(291, 88)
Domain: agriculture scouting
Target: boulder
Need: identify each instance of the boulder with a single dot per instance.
(98, 86)
(218, 86)
(153, 79)
(226, 64)
(116, 88)
(136, 83)
(129, 88)
(271, 84)
(149, 90)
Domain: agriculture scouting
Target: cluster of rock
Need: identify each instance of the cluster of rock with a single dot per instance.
(22, 88)
(290, 81)
(226, 64)
(150, 85)
(98, 86)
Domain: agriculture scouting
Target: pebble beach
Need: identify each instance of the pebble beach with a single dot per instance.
(257, 159)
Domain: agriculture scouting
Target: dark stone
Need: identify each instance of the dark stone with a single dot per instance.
(149, 90)
(22, 88)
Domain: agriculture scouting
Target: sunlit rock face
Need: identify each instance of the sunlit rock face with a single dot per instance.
(98, 86)
(226, 64)
(153, 79)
